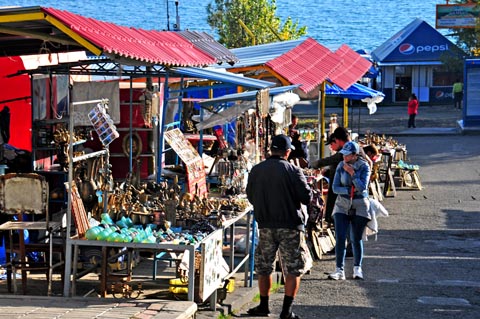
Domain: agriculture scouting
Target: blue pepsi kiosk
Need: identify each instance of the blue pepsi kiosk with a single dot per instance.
(471, 98)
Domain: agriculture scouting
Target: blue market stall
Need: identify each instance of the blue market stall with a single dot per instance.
(411, 62)
(471, 99)
(355, 92)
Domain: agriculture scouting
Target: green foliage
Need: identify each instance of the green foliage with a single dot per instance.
(261, 25)
(224, 316)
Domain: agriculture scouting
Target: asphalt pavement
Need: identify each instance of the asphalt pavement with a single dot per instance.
(425, 260)
(424, 263)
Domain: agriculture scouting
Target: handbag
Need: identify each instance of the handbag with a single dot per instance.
(352, 211)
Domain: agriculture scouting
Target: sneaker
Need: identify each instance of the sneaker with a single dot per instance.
(290, 316)
(339, 274)
(357, 272)
(258, 312)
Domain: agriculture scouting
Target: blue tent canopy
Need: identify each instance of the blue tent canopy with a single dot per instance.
(355, 92)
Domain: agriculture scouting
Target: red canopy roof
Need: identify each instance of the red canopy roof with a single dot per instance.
(310, 63)
(353, 67)
(149, 46)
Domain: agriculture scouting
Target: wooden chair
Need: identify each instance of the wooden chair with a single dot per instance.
(21, 194)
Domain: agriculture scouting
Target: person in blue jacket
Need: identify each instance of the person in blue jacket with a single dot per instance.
(351, 211)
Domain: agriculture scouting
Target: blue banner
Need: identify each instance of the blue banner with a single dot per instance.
(441, 95)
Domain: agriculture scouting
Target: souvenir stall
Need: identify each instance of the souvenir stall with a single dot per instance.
(156, 215)
(176, 219)
(170, 217)
(391, 168)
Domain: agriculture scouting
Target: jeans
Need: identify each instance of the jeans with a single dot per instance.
(356, 226)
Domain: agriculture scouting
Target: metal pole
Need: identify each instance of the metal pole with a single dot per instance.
(168, 17)
(322, 118)
(130, 129)
(319, 125)
(251, 265)
(161, 128)
(68, 248)
(177, 17)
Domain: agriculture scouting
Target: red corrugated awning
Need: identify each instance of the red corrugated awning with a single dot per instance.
(310, 63)
(353, 67)
(148, 46)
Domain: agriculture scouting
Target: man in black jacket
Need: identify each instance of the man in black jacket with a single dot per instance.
(277, 189)
(336, 140)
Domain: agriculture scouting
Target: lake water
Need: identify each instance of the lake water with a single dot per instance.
(361, 24)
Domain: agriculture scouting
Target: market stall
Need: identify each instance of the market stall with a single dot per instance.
(56, 139)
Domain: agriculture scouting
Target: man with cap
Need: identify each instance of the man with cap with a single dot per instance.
(276, 190)
(336, 140)
(351, 212)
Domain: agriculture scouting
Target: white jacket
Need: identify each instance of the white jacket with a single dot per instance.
(376, 210)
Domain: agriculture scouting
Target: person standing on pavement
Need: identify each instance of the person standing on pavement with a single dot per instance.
(412, 110)
(336, 140)
(276, 190)
(352, 208)
(457, 92)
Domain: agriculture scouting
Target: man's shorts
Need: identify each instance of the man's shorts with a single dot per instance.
(291, 246)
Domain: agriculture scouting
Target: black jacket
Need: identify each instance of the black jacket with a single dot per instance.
(276, 190)
(332, 163)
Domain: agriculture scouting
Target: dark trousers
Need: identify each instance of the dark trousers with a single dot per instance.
(411, 120)
(457, 100)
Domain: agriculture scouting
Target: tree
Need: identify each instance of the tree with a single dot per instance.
(241, 23)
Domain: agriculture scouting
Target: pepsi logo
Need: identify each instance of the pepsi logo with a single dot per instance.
(406, 48)
(439, 94)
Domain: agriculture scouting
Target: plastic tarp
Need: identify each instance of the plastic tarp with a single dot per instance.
(224, 116)
(358, 92)
(227, 114)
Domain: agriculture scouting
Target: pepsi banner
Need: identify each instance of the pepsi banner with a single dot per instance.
(409, 49)
(441, 95)
(424, 44)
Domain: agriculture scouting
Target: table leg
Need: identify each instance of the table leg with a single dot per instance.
(104, 273)
(75, 270)
(21, 244)
(50, 262)
(11, 275)
(191, 274)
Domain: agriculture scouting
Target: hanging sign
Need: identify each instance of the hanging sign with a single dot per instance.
(103, 124)
(196, 177)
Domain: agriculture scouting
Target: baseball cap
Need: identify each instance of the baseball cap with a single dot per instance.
(349, 148)
(330, 139)
(281, 142)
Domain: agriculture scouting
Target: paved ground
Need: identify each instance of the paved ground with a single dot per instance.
(426, 257)
(425, 263)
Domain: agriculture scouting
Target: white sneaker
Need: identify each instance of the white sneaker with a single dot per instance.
(339, 274)
(357, 272)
